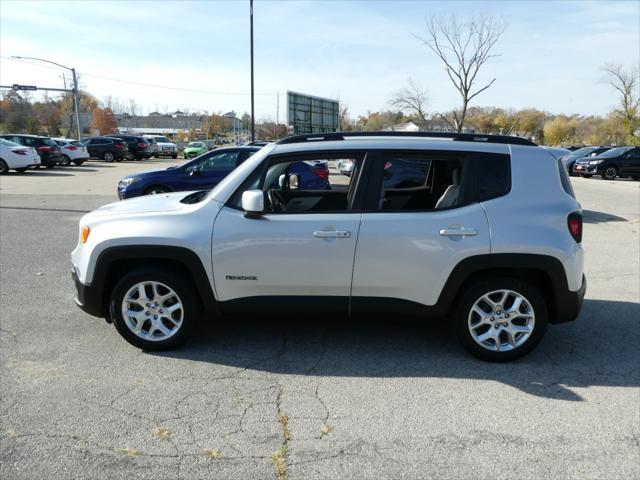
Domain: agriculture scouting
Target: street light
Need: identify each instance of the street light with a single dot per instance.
(75, 88)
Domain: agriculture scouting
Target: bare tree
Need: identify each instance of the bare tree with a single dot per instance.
(625, 82)
(344, 121)
(412, 99)
(463, 48)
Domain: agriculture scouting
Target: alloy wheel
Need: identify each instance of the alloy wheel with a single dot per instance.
(501, 320)
(108, 157)
(152, 311)
(610, 173)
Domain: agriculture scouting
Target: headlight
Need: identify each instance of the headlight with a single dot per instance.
(596, 162)
(125, 182)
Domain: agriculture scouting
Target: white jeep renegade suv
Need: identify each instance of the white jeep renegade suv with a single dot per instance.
(482, 230)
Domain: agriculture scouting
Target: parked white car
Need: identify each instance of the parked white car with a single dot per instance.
(166, 148)
(14, 156)
(72, 151)
(482, 230)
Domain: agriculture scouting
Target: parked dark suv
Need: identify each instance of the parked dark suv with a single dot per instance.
(139, 147)
(48, 150)
(109, 149)
(617, 162)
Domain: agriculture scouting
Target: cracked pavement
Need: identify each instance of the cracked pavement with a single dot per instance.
(342, 400)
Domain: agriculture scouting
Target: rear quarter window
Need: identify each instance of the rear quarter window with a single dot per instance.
(564, 179)
(494, 175)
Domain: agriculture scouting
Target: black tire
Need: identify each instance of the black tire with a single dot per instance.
(610, 173)
(156, 189)
(172, 280)
(65, 161)
(174, 156)
(490, 284)
(108, 157)
(636, 178)
(51, 165)
(585, 175)
(22, 170)
(4, 168)
(78, 162)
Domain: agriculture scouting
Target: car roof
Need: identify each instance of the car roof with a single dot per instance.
(23, 135)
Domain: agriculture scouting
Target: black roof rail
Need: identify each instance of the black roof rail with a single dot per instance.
(459, 137)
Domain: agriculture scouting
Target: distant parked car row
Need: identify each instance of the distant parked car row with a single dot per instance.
(623, 162)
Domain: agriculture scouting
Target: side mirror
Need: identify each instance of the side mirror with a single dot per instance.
(195, 172)
(294, 181)
(253, 203)
(289, 181)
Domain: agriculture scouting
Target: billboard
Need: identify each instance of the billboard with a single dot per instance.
(310, 114)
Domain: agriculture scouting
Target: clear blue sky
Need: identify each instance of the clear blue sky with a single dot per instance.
(358, 51)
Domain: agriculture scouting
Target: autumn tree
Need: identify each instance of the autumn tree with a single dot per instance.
(625, 82)
(412, 99)
(464, 48)
(559, 131)
(104, 121)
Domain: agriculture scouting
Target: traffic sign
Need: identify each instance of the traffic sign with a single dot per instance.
(24, 87)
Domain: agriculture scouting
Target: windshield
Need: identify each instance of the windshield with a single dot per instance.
(614, 152)
(7, 143)
(581, 152)
(48, 141)
(196, 145)
(163, 140)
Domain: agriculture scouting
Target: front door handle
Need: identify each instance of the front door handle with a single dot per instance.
(332, 234)
(458, 232)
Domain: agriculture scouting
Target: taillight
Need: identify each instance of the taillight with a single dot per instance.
(44, 149)
(321, 172)
(20, 152)
(574, 222)
(71, 147)
(142, 145)
(119, 145)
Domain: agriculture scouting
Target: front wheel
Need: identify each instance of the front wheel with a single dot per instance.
(174, 156)
(78, 162)
(4, 168)
(108, 157)
(585, 175)
(610, 173)
(500, 319)
(65, 161)
(22, 170)
(152, 309)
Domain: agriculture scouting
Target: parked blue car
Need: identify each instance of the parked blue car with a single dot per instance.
(201, 173)
(207, 170)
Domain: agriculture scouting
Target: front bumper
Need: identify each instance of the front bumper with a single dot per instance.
(568, 304)
(87, 297)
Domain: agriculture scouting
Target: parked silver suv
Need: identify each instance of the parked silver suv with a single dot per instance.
(482, 230)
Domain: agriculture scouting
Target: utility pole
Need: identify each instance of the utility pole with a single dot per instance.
(75, 88)
(253, 116)
(76, 102)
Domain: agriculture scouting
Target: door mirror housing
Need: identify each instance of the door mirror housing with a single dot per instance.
(253, 203)
(289, 181)
(195, 172)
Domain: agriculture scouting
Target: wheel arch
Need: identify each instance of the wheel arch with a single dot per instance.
(115, 262)
(543, 271)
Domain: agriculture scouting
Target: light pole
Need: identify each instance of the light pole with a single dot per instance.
(253, 117)
(75, 88)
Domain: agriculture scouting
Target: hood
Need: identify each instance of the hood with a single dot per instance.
(169, 170)
(165, 202)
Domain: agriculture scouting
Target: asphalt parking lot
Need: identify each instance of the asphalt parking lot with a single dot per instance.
(258, 400)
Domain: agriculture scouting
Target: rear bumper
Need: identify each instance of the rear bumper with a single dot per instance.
(87, 297)
(568, 304)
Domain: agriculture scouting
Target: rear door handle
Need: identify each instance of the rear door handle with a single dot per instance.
(458, 232)
(332, 234)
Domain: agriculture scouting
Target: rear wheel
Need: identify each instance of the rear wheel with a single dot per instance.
(21, 170)
(610, 173)
(156, 189)
(500, 319)
(152, 309)
(51, 165)
(78, 162)
(4, 168)
(585, 175)
(108, 157)
(174, 156)
(65, 161)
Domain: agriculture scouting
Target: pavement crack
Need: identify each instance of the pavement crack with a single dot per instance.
(279, 457)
